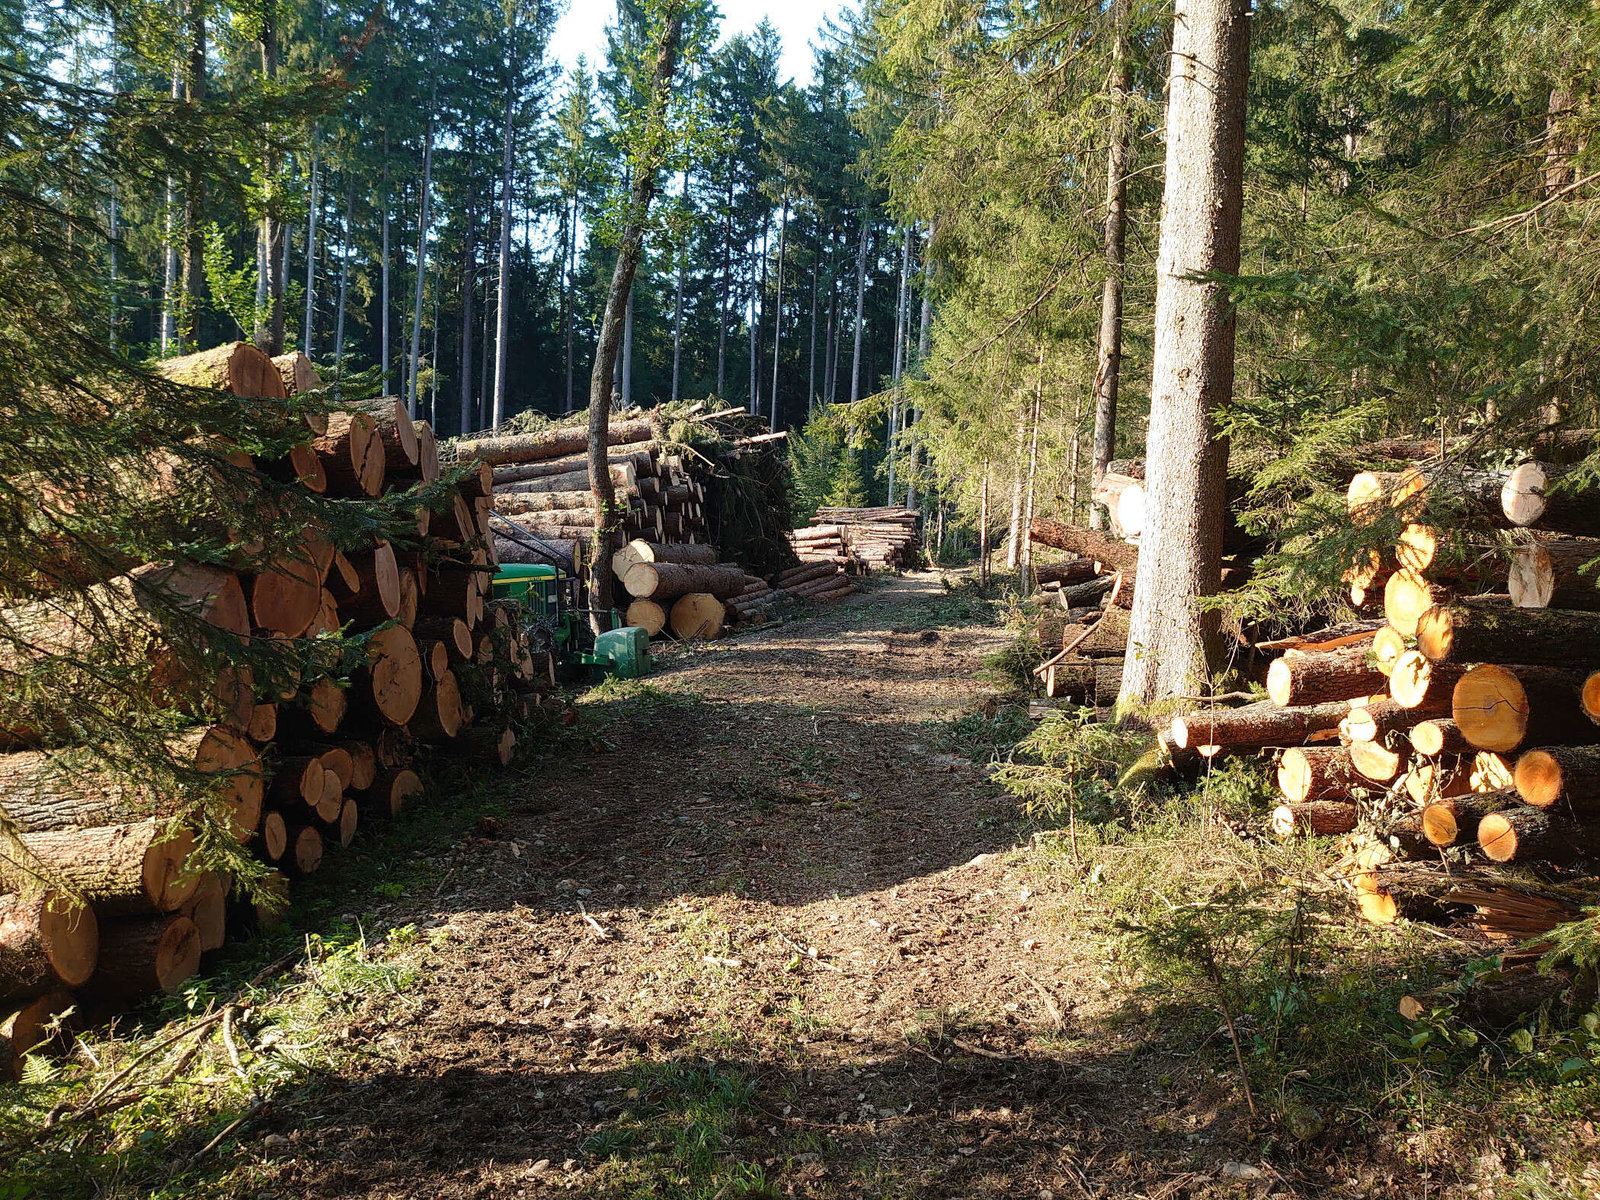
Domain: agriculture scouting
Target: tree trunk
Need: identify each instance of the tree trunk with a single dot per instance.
(727, 275)
(1173, 641)
(383, 287)
(566, 294)
(1498, 633)
(861, 301)
(46, 943)
(677, 308)
(344, 286)
(1086, 542)
(269, 295)
(811, 355)
(1255, 725)
(169, 246)
(119, 869)
(502, 319)
(1455, 820)
(1317, 773)
(1109, 369)
(1533, 835)
(194, 191)
(1566, 776)
(660, 581)
(307, 334)
(898, 364)
(468, 292)
(1014, 534)
(1321, 818)
(628, 254)
(422, 271)
(1025, 555)
(145, 955)
(777, 320)
(1314, 678)
(1500, 708)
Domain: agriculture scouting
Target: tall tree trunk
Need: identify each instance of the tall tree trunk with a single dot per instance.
(307, 335)
(899, 351)
(777, 320)
(502, 316)
(469, 289)
(924, 345)
(861, 302)
(629, 251)
(752, 324)
(169, 245)
(1019, 481)
(1109, 369)
(422, 268)
(383, 297)
(758, 313)
(433, 362)
(727, 275)
(194, 192)
(627, 352)
(1025, 559)
(811, 355)
(830, 348)
(269, 296)
(344, 283)
(1170, 636)
(566, 291)
(677, 308)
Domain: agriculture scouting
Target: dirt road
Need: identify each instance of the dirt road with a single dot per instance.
(766, 938)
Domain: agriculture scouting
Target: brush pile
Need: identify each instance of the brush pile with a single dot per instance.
(1457, 736)
(381, 645)
(859, 539)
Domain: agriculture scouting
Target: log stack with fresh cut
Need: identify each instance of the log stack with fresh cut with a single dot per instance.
(860, 539)
(291, 766)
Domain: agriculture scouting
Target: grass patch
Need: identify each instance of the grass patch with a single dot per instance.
(676, 1134)
(983, 736)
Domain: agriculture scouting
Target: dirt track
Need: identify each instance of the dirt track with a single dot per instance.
(790, 885)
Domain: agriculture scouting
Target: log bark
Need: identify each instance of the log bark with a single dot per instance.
(641, 456)
(1109, 636)
(647, 615)
(1550, 574)
(1308, 773)
(1439, 779)
(451, 631)
(1324, 818)
(1455, 820)
(667, 581)
(697, 616)
(1439, 736)
(376, 598)
(46, 943)
(1535, 835)
(390, 791)
(1321, 641)
(352, 455)
(121, 870)
(439, 715)
(1493, 633)
(237, 368)
(208, 909)
(140, 956)
(551, 443)
(1078, 570)
(1531, 499)
(1316, 678)
(1375, 720)
(397, 433)
(1500, 708)
(25, 1029)
(1564, 777)
(1255, 726)
(1417, 683)
(1089, 543)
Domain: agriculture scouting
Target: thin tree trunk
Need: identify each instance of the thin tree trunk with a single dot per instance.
(631, 248)
(811, 355)
(899, 351)
(307, 334)
(677, 309)
(433, 361)
(924, 346)
(777, 321)
(566, 290)
(111, 326)
(344, 284)
(269, 299)
(861, 301)
(727, 272)
(469, 288)
(1018, 483)
(1026, 557)
(422, 269)
(627, 352)
(1171, 637)
(758, 306)
(752, 325)
(502, 316)
(1072, 458)
(383, 298)
(1109, 368)
(194, 191)
(169, 247)
(983, 530)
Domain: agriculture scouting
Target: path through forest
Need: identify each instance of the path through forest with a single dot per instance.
(767, 938)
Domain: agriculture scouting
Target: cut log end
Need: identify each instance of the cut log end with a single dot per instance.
(1539, 778)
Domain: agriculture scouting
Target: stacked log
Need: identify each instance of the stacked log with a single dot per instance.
(540, 485)
(860, 539)
(290, 767)
(1462, 729)
(810, 583)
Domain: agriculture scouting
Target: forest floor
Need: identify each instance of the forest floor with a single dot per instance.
(765, 925)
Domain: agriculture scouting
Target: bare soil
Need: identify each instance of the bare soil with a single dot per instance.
(771, 870)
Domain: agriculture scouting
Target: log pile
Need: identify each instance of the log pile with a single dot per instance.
(683, 590)
(859, 539)
(291, 767)
(1459, 733)
(541, 484)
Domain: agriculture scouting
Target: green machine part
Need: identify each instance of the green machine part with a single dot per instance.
(537, 585)
(624, 652)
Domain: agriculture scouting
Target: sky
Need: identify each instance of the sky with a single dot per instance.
(582, 30)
